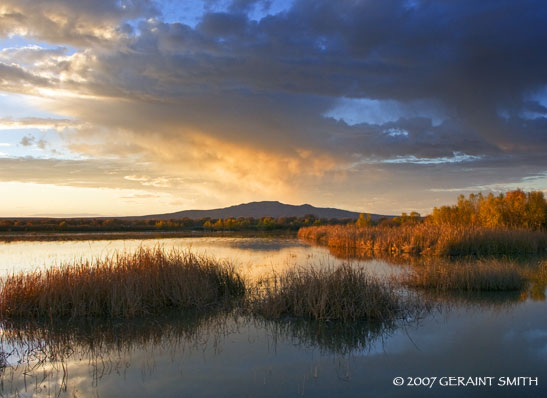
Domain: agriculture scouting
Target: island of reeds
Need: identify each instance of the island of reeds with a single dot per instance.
(126, 285)
(152, 282)
(344, 293)
(511, 224)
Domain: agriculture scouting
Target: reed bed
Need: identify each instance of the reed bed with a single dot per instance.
(126, 285)
(429, 239)
(470, 277)
(343, 294)
(538, 282)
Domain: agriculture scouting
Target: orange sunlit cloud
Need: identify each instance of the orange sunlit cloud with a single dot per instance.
(101, 101)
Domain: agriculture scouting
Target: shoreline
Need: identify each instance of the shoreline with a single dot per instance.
(120, 235)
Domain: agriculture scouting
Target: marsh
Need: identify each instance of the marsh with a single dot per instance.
(229, 353)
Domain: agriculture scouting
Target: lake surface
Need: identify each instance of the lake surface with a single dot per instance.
(208, 355)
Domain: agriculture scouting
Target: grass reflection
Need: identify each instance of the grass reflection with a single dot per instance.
(55, 357)
(38, 355)
(334, 337)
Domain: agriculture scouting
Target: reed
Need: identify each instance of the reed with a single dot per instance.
(538, 282)
(126, 285)
(474, 276)
(429, 239)
(343, 294)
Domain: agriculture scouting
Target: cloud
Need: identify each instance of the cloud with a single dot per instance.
(78, 23)
(38, 123)
(322, 93)
(16, 79)
(27, 140)
(88, 173)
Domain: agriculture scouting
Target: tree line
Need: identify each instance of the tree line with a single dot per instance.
(179, 224)
(514, 210)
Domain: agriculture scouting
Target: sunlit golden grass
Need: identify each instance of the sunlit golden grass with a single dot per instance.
(146, 282)
(474, 276)
(344, 293)
(538, 282)
(430, 239)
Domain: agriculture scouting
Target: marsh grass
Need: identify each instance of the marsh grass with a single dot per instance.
(429, 239)
(152, 282)
(344, 293)
(538, 282)
(492, 275)
(126, 285)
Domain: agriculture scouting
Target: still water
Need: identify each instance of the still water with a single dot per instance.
(226, 355)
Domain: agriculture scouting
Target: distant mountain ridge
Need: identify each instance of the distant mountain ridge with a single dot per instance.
(273, 209)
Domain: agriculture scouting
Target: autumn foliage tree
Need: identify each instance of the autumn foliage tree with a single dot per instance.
(514, 209)
(364, 220)
(412, 218)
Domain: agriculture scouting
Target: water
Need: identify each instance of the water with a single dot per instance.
(209, 355)
(253, 256)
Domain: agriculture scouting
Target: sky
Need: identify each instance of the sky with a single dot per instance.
(128, 107)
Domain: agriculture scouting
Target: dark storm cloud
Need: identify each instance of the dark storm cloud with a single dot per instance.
(473, 58)
(454, 80)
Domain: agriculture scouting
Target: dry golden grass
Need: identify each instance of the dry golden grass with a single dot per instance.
(474, 276)
(538, 282)
(429, 239)
(344, 293)
(149, 281)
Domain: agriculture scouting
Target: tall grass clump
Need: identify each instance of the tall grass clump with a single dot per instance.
(146, 282)
(538, 281)
(343, 294)
(430, 239)
(473, 276)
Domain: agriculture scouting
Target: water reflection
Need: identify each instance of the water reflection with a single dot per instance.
(42, 358)
(336, 338)
(50, 359)
(219, 354)
(478, 300)
(231, 355)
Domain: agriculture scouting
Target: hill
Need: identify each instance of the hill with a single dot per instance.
(260, 209)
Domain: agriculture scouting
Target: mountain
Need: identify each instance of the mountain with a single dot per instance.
(261, 209)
